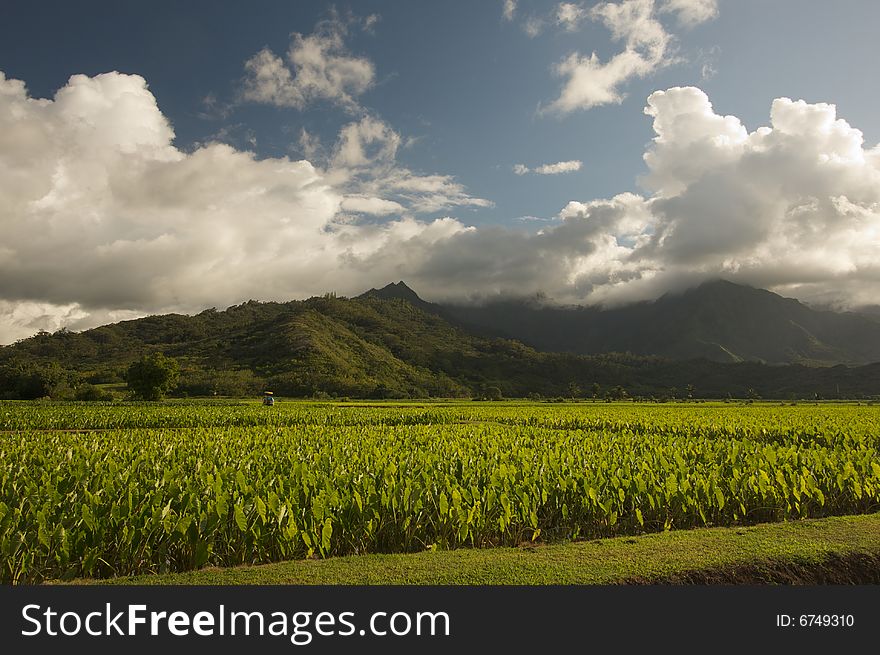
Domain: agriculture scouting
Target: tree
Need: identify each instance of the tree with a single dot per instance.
(489, 393)
(574, 391)
(618, 393)
(493, 393)
(29, 381)
(152, 376)
(596, 390)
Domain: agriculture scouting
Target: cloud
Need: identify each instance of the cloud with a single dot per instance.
(788, 204)
(591, 82)
(318, 67)
(566, 259)
(559, 167)
(367, 142)
(428, 193)
(104, 218)
(690, 12)
(371, 205)
(508, 9)
(570, 15)
(626, 18)
(567, 16)
(363, 162)
(532, 26)
(708, 61)
(793, 206)
(310, 144)
(369, 23)
(533, 219)
(549, 169)
(648, 47)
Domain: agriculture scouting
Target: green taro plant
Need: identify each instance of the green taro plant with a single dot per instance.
(91, 489)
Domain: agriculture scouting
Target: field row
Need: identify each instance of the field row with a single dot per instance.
(827, 423)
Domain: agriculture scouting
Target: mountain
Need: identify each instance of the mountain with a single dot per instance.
(389, 343)
(363, 347)
(720, 321)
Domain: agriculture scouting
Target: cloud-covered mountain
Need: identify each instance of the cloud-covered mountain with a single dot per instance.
(717, 320)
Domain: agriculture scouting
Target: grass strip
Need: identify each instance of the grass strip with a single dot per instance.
(832, 550)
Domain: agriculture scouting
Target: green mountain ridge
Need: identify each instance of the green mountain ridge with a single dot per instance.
(389, 343)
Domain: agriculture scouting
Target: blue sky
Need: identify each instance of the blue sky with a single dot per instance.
(456, 77)
(445, 99)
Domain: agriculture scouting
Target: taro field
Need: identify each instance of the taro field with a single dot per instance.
(99, 490)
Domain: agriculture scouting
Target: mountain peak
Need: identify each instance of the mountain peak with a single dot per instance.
(395, 290)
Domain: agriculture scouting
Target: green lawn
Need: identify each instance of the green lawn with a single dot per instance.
(838, 549)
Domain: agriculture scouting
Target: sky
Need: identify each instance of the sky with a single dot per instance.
(168, 157)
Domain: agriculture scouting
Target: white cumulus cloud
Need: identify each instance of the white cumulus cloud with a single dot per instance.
(648, 46)
(590, 82)
(104, 218)
(793, 206)
(317, 67)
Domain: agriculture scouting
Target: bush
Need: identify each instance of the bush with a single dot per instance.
(92, 393)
